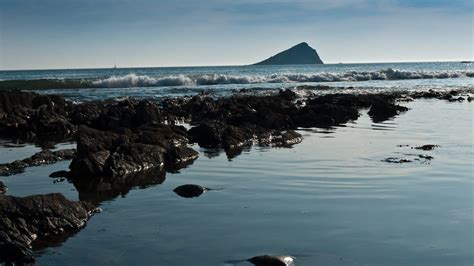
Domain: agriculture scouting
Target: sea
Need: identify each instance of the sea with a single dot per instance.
(331, 200)
(156, 83)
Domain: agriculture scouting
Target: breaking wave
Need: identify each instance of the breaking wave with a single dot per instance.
(133, 80)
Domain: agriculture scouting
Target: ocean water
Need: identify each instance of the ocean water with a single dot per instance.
(330, 200)
(180, 81)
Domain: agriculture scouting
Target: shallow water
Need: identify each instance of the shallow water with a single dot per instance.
(327, 201)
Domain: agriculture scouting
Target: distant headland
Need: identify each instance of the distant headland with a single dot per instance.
(297, 55)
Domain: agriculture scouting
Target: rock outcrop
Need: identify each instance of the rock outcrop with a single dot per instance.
(41, 158)
(36, 221)
(123, 151)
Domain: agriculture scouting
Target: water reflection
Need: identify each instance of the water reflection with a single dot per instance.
(97, 190)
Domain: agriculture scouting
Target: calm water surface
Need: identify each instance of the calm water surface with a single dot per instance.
(328, 201)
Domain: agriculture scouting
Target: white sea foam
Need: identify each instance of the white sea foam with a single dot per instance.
(133, 80)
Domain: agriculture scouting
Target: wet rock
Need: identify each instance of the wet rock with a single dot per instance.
(41, 158)
(469, 99)
(59, 180)
(28, 116)
(234, 138)
(180, 156)
(426, 157)
(123, 151)
(61, 173)
(384, 110)
(3, 188)
(267, 260)
(427, 94)
(190, 190)
(207, 134)
(133, 157)
(453, 92)
(38, 221)
(396, 160)
(324, 115)
(427, 147)
(288, 138)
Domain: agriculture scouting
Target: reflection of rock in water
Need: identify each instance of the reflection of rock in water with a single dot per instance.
(3, 188)
(267, 260)
(190, 190)
(100, 189)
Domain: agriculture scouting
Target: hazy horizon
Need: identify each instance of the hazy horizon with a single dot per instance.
(86, 34)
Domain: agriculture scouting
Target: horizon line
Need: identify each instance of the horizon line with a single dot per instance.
(244, 65)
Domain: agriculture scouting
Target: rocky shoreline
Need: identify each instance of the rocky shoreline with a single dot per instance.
(127, 143)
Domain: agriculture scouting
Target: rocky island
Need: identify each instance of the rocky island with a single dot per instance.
(301, 54)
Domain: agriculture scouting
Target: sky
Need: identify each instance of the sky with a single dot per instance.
(145, 33)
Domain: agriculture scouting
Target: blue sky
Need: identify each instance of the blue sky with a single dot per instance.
(103, 33)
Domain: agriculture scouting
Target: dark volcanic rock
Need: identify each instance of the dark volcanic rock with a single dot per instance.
(38, 221)
(3, 188)
(207, 134)
(190, 190)
(289, 137)
(29, 115)
(296, 55)
(133, 157)
(180, 156)
(123, 152)
(61, 173)
(426, 157)
(396, 160)
(267, 260)
(427, 147)
(384, 110)
(40, 158)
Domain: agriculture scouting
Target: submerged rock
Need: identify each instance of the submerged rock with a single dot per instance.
(38, 221)
(41, 158)
(427, 147)
(426, 157)
(61, 173)
(267, 260)
(396, 160)
(190, 190)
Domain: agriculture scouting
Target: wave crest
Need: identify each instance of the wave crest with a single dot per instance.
(134, 80)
